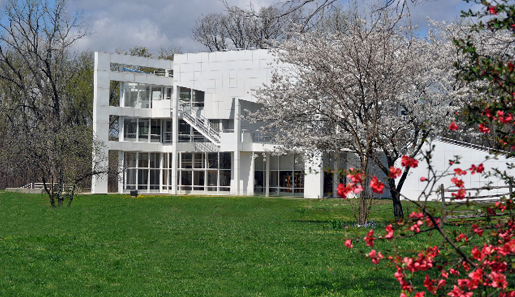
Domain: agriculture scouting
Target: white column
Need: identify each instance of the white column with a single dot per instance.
(161, 172)
(252, 175)
(121, 170)
(314, 178)
(236, 160)
(101, 119)
(175, 139)
(267, 174)
(121, 128)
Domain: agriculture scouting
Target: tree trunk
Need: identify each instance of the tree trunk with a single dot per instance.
(396, 199)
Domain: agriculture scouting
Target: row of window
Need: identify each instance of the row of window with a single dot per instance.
(208, 172)
(202, 171)
(158, 130)
(142, 95)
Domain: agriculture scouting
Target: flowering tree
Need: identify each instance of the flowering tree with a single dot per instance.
(375, 90)
(479, 261)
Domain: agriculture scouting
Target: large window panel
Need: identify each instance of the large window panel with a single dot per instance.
(167, 132)
(154, 160)
(130, 159)
(130, 129)
(142, 179)
(225, 178)
(199, 161)
(155, 131)
(274, 178)
(212, 160)
(143, 160)
(154, 179)
(130, 179)
(186, 160)
(143, 129)
(198, 180)
(225, 161)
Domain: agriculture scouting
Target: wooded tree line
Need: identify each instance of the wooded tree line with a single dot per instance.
(46, 99)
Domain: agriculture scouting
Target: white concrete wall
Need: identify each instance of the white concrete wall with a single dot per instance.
(443, 153)
(314, 178)
(223, 76)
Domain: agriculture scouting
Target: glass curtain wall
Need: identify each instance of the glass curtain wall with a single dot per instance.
(142, 171)
(208, 173)
(286, 175)
(147, 130)
(141, 95)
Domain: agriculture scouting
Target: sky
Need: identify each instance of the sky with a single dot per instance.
(122, 24)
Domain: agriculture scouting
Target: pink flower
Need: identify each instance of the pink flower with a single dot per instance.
(394, 172)
(377, 187)
(407, 161)
(423, 179)
(458, 182)
(479, 169)
(369, 239)
(348, 243)
(389, 229)
(453, 126)
(492, 9)
(458, 171)
(375, 257)
(483, 128)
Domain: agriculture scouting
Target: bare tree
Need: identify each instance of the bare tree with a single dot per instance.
(45, 129)
(243, 29)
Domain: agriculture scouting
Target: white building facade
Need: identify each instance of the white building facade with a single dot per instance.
(180, 129)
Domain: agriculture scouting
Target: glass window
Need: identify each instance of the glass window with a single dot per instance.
(130, 129)
(154, 160)
(198, 180)
(212, 178)
(186, 160)
(186, 179)
(131, 94)
(154, 179)
(157, 93)
(225, 161)
(197, 99)
(142, 179)
(274, 177)
(167, 131)
(143, 96)
(185, 94)
(143, 126)
(285, 179)
(155, 131)
(212, 160)
(130, 179)
(225, 178)
(168, 93)
(199, 160)
(143, 160)
(130, 159)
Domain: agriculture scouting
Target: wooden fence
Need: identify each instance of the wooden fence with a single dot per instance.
(467, 214)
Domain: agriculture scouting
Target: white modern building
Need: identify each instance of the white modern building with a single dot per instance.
(180, 130)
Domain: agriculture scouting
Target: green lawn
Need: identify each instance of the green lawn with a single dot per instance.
(114, 245)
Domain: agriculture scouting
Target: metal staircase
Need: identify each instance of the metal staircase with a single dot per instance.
(200, 123)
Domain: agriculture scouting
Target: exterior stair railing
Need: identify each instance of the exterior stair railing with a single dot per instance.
(200, 123)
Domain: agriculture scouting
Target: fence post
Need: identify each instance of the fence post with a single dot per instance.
(442, 193)
(511, 197)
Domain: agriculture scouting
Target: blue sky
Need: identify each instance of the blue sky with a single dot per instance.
(165, 23)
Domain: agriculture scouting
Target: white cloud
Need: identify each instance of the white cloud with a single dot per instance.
(164, 23)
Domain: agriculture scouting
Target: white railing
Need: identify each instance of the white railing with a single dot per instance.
(200, 123)
(41, 186)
